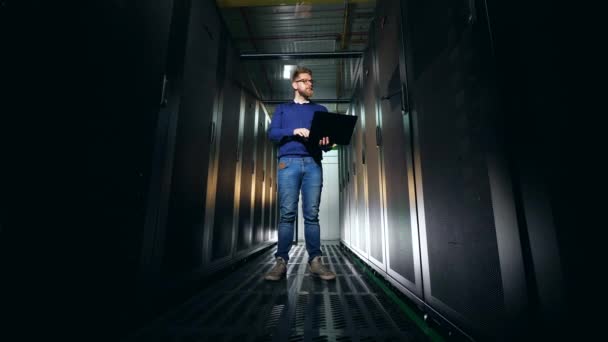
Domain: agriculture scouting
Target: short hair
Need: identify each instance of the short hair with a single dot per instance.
(300, 70)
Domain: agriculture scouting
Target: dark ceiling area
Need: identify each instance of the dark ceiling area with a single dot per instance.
(273, 37)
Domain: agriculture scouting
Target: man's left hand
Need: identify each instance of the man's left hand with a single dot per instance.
(324, 142)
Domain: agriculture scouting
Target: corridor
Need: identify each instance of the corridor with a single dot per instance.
(243, 307)
(139, 197)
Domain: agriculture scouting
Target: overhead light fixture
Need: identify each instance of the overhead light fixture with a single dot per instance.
(288, 70)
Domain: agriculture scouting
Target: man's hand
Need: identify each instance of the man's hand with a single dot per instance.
(324, 143)
(303, 132)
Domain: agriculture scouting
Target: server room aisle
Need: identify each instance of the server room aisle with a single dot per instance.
(244, 307)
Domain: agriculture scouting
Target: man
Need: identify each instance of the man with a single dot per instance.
(299, 169)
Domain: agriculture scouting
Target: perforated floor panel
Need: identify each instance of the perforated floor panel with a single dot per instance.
(244, 307)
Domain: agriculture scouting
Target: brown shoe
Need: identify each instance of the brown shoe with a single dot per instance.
(278, 271)
(317, 268)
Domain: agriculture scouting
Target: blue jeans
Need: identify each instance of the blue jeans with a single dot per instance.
(295, 173)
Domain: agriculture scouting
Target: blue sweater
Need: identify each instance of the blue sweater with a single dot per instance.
(286, 118)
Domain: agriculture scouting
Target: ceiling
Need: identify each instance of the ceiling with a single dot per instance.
(292, 27)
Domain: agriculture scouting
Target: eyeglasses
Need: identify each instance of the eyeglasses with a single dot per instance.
(305, 81)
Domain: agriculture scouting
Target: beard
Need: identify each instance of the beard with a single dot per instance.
(306, 93)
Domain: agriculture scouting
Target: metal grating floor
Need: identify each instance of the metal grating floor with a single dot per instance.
(244, 307)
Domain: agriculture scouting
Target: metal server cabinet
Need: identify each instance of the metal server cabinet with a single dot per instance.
(184, 249)
(362, 230)
(227, 132)
(272, 180)
(401, 242)
(351, 185)
(373, 174)
(211, 240)
(258, 188)
(273, 192)
(134, 135)
(343, 201)
(351, 152)
(470, 248)
(247, 152)
(158, 71)
(275, 195)
(275, 184)
(350, 193)
(268, 178)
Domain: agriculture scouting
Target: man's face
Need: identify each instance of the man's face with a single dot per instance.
(303, 84)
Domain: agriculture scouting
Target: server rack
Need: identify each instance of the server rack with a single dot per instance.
(215, 159)
(247, 171)
(228, 135)
(184, 243)
(372, 158)
(434, 210)
(402, 248)
(258, 187)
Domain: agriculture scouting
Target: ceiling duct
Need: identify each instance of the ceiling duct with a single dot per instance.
(327, 45)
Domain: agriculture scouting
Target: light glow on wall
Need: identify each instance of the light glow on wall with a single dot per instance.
(288, 70)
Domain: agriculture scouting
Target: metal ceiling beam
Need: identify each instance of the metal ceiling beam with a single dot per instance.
(301, 55)
(302, 36)
(314, 100)
(257, 3)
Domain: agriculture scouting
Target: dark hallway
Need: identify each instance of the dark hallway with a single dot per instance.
(138, 194)
(244, 307)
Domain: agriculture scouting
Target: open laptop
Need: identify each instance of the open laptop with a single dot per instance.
(338, 127)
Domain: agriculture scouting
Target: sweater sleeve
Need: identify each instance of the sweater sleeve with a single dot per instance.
(276, 132)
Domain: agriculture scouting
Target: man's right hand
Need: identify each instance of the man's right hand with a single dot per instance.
(303, 132)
